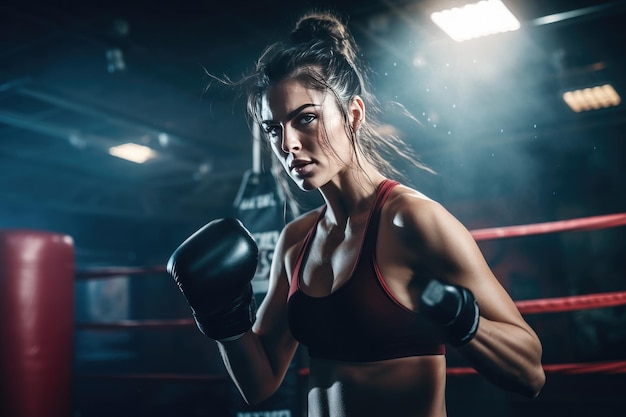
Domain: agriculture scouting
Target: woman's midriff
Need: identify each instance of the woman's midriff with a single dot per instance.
(403, 387)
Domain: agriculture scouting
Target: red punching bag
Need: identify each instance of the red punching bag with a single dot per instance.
(36, 323)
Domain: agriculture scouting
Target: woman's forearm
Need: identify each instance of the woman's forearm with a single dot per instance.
(249, 367)
(508, 355)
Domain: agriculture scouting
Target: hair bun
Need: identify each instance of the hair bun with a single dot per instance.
(326, 28)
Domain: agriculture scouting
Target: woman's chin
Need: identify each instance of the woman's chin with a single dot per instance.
(306, 185)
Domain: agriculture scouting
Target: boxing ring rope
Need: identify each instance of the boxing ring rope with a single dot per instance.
(31, 277)
(90, 273)
(573, 225)
(572, 303)
(581, 224)
(607, 367)
(546, 305)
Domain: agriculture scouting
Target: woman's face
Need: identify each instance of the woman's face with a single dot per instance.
(306, 132)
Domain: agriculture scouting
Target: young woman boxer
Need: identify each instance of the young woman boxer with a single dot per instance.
(374, 283)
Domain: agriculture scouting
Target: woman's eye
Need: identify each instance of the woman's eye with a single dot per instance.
(307, 118)
(272, 131)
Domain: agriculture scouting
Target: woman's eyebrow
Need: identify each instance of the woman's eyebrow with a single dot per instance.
(291, 114)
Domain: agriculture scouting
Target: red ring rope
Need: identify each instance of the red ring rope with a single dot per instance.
(585, 223)
(159, 377)
(117, 271)
(547, 305)
(113, 325)
(575, 302)
(607, 367)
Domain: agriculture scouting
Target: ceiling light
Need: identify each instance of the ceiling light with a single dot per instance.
(133, 152)
(475, 20)
(592, 98)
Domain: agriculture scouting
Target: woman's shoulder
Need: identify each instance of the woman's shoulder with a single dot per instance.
(297, 229)
(407, 201)
(411, 212)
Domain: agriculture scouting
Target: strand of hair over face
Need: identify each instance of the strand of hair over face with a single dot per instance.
(379, 144)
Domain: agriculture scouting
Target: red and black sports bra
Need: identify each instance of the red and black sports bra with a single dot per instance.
(361, 321)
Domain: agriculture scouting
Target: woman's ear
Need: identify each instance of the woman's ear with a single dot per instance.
(357, 113)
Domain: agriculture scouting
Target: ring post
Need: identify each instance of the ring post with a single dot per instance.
(36, 323)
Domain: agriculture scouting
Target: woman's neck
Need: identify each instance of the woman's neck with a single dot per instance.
(350, 195)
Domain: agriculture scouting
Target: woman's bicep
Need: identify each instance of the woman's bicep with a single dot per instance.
(451, 254)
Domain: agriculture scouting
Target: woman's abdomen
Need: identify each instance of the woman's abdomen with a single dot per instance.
(403, 387)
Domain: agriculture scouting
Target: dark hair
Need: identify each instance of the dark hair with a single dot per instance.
(322, 54)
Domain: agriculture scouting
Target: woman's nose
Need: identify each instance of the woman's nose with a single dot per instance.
(291, 141)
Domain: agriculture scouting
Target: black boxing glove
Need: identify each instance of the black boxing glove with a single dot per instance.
(453, 307)
(214, 268)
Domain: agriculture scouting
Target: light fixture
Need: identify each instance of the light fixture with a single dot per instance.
(484, 18)
(592, 98)
(133, 152)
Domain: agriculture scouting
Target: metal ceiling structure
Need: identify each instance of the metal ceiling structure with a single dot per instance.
(79, 77)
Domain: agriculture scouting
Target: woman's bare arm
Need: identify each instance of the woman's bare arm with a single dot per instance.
(505, 348)
(258, 361)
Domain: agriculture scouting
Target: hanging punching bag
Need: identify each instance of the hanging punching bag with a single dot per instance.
(36, 323)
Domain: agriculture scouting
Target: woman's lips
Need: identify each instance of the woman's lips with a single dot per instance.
(301, 167)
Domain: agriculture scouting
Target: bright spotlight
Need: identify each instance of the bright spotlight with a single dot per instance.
(476, 20)
(592, 98)
(133, 152)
